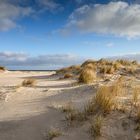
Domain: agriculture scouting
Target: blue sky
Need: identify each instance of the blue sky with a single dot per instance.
(47, 34)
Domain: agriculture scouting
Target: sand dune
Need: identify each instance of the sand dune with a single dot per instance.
(27, 113)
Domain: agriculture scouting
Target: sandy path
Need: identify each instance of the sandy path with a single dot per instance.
(28, 112)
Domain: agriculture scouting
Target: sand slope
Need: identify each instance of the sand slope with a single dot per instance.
(27, 112)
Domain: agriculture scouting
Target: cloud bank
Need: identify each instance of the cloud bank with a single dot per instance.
(12, 10)
(9, 13)
(24, 61)
(115, 18)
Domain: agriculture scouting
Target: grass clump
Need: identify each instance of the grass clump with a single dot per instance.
(75, 116)
(53, 133)
(110, 70)
(2, 68)
(119, 87)
(68, 75)
(67, 108)
(138, 115)
(29, 82)
(134, 62)
(88, 74)
(71, 116)
(117, 65)
(75, 69)
(107, 69)
(95, 127)
(135, 95)
(103, 62)
(124, 62)
(103, 102)
(130, 70)
(92, 62)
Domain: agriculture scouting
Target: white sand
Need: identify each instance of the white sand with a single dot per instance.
(27, 113)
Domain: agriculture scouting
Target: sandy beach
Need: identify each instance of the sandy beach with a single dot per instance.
(30, 112)
(69, 69)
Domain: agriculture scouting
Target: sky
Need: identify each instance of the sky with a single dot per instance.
(49, 34)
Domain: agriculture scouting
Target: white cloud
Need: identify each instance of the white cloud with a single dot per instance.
(9, 13)
(12, 10)
(16, 60)
(48, 3)
(110, 44)
(116, 18)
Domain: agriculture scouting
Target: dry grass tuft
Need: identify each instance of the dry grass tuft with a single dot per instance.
(119, 87)
(117, 65)
(138, 115)
(68, 75)
(134, 62)
(67, 108)
(92, 62)
(72, 69)
(2, 68)
(130, 70)
(121, 108)
(29, 82)
(95, 128)
(71, 116)
(103, 102)
(110, 70)
(103, 62)
(88, 74)
(124, 62)
(90, 66)
(53, 134)
(135, 95)
(75, 115)
(107, 69)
